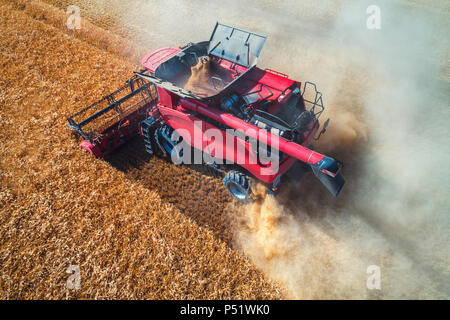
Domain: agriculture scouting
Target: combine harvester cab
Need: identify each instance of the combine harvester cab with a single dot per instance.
(215, 86)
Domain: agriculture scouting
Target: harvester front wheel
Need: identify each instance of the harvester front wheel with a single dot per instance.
(238, 185)
(167, 145)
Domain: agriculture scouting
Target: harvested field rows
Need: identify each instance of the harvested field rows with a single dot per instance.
(152, 232)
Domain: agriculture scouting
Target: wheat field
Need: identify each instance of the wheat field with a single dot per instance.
(130, 232)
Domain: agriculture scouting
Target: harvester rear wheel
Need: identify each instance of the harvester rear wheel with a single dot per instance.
(238, 185)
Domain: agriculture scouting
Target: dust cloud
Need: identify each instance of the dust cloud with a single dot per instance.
(386, 92)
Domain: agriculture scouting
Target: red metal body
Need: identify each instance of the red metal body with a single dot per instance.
(172, 110)
(252, 110)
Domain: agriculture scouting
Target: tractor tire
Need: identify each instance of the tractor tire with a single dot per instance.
(147, 131)
(238, 186)
(163, 138)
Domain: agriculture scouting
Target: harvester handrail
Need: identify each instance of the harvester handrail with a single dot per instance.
(258, 92)
(318, 102)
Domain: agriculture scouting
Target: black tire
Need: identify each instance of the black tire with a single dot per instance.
(238, 186)
(167, 146)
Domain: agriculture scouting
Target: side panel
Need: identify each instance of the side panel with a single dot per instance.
(167, 98)
(291, 148)
(217, 143)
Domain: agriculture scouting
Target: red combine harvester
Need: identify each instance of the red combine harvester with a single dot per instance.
(208, 103)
